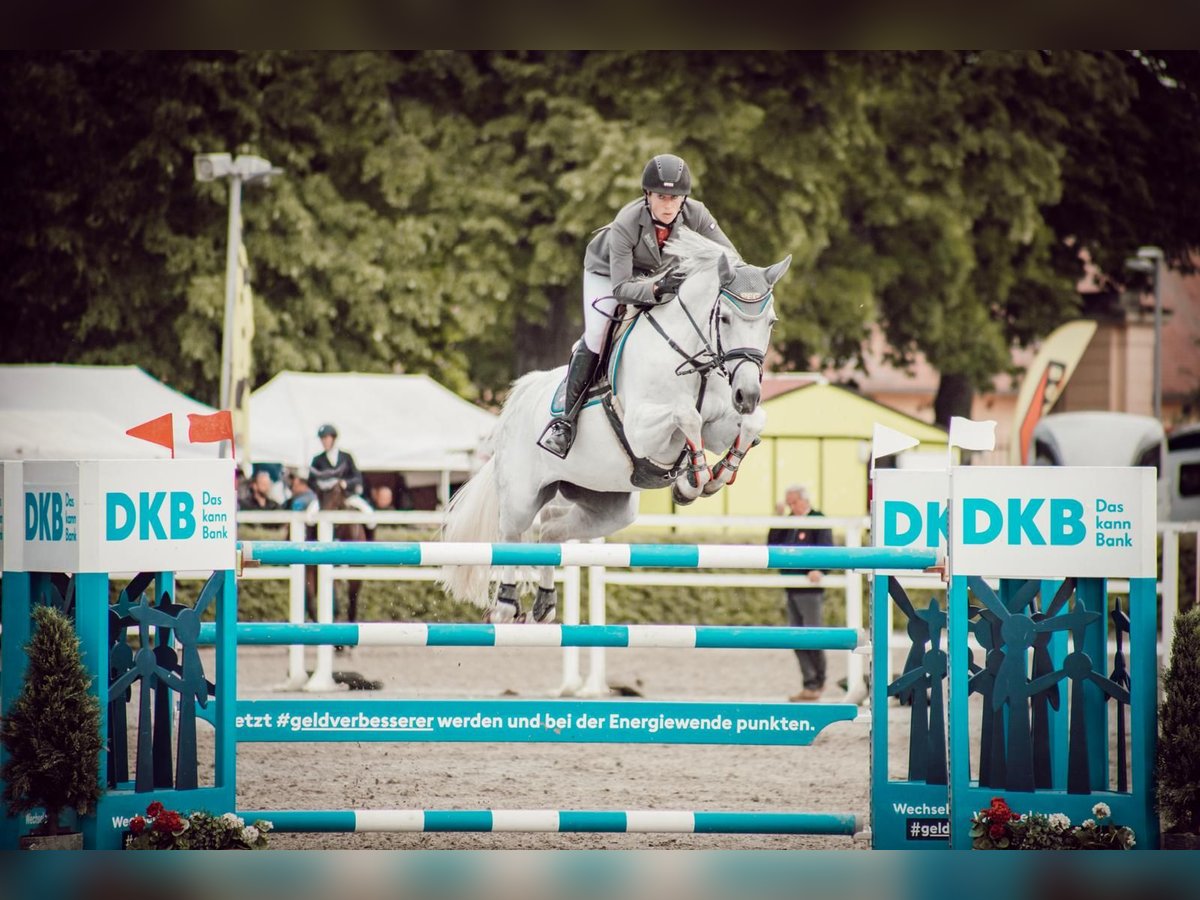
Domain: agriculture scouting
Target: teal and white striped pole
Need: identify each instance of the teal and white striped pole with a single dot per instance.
(653, 821)
(417, 634)
(673, 556)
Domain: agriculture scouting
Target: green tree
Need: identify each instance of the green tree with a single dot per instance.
(52, 731)
(1179, 743)
(435, 205)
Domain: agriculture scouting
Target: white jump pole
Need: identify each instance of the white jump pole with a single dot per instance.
(322, 676)
(856, 685)
(1168, 585)
(572, 681)
(297, 675)
(597, 680)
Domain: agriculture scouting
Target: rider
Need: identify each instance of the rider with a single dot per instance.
(615, 267)
(332, 466)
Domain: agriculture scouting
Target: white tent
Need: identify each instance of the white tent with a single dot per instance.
(406, 423)
(82, 412)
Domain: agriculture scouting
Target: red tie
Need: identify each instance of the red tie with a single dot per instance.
(662, 232)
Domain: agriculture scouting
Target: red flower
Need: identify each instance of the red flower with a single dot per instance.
(137, 825)
(154, 810)
(999, 811)
(996, 831)
(168, 821)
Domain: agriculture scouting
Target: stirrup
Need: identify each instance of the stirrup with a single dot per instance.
(558, 437)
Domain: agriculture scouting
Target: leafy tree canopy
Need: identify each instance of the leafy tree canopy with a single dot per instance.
(435, 205)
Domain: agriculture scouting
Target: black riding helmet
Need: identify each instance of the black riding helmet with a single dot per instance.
(667, 174)
(327, 431)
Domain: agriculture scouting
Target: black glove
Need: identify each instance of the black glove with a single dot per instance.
(668, 284)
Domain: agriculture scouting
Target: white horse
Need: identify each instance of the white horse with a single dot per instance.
(685, 376)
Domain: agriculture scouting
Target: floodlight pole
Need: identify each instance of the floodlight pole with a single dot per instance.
(243, 169)
(1156, 254)
(231, 271)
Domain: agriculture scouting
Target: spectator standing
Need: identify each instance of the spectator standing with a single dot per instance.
(302, 495)
(805, 605)
(381, 496)
(259, 496)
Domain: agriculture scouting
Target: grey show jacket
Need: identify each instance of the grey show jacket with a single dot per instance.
(626, 249)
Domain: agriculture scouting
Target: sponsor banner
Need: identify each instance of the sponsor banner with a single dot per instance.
(909, 509)
(1023, 522)
(1053, 522)
(531, 721)
(124, 515)
(11, 518)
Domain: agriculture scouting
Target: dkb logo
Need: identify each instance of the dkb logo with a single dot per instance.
(44, 515)
(122, 515)
(984, 521)
(904, 523)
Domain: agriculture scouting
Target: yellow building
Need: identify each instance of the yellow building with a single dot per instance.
(818, 435)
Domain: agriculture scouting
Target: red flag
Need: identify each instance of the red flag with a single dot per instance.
(159, 431)
(206, 429)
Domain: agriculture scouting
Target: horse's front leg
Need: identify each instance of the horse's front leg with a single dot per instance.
(726, 469)
(664, 424)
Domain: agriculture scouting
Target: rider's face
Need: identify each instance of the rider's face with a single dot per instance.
(327, 441)
(664, 207)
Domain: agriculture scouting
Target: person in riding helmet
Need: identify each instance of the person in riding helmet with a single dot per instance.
(333, 466)
(616, 267)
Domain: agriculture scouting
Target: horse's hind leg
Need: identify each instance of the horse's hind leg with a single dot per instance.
(545, 606)
(514, 523)
(586, 515)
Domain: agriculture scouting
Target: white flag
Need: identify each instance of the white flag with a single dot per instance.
(886, 441)
(972, 435)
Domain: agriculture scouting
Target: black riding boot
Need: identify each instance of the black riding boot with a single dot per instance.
(560, 433)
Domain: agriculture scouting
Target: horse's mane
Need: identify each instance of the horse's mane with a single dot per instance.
(696, 252)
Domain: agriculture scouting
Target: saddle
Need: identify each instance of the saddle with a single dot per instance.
(647, 474)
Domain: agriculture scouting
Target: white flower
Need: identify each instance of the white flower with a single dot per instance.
(1129, 839)
(249, 834)
(266, 824)
(1088, 823)
(1059, 821)
(235, 820)
(1101, 811)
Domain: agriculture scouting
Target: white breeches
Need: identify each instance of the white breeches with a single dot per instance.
(595, 325)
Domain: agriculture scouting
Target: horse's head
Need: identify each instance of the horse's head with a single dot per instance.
(741, 305)
(743, 317)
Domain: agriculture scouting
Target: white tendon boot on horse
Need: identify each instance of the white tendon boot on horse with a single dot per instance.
(506, 608)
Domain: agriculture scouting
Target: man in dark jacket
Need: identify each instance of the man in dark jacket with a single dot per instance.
(615, 269)
(804, 604)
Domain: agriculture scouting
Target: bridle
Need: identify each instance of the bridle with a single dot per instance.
(706, 360)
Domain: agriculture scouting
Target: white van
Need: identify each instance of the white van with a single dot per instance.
(1183, 473)
(1103, 439)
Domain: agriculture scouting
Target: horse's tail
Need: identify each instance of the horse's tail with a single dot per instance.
(473, 515)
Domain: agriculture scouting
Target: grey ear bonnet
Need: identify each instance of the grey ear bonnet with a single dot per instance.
(751, 287)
